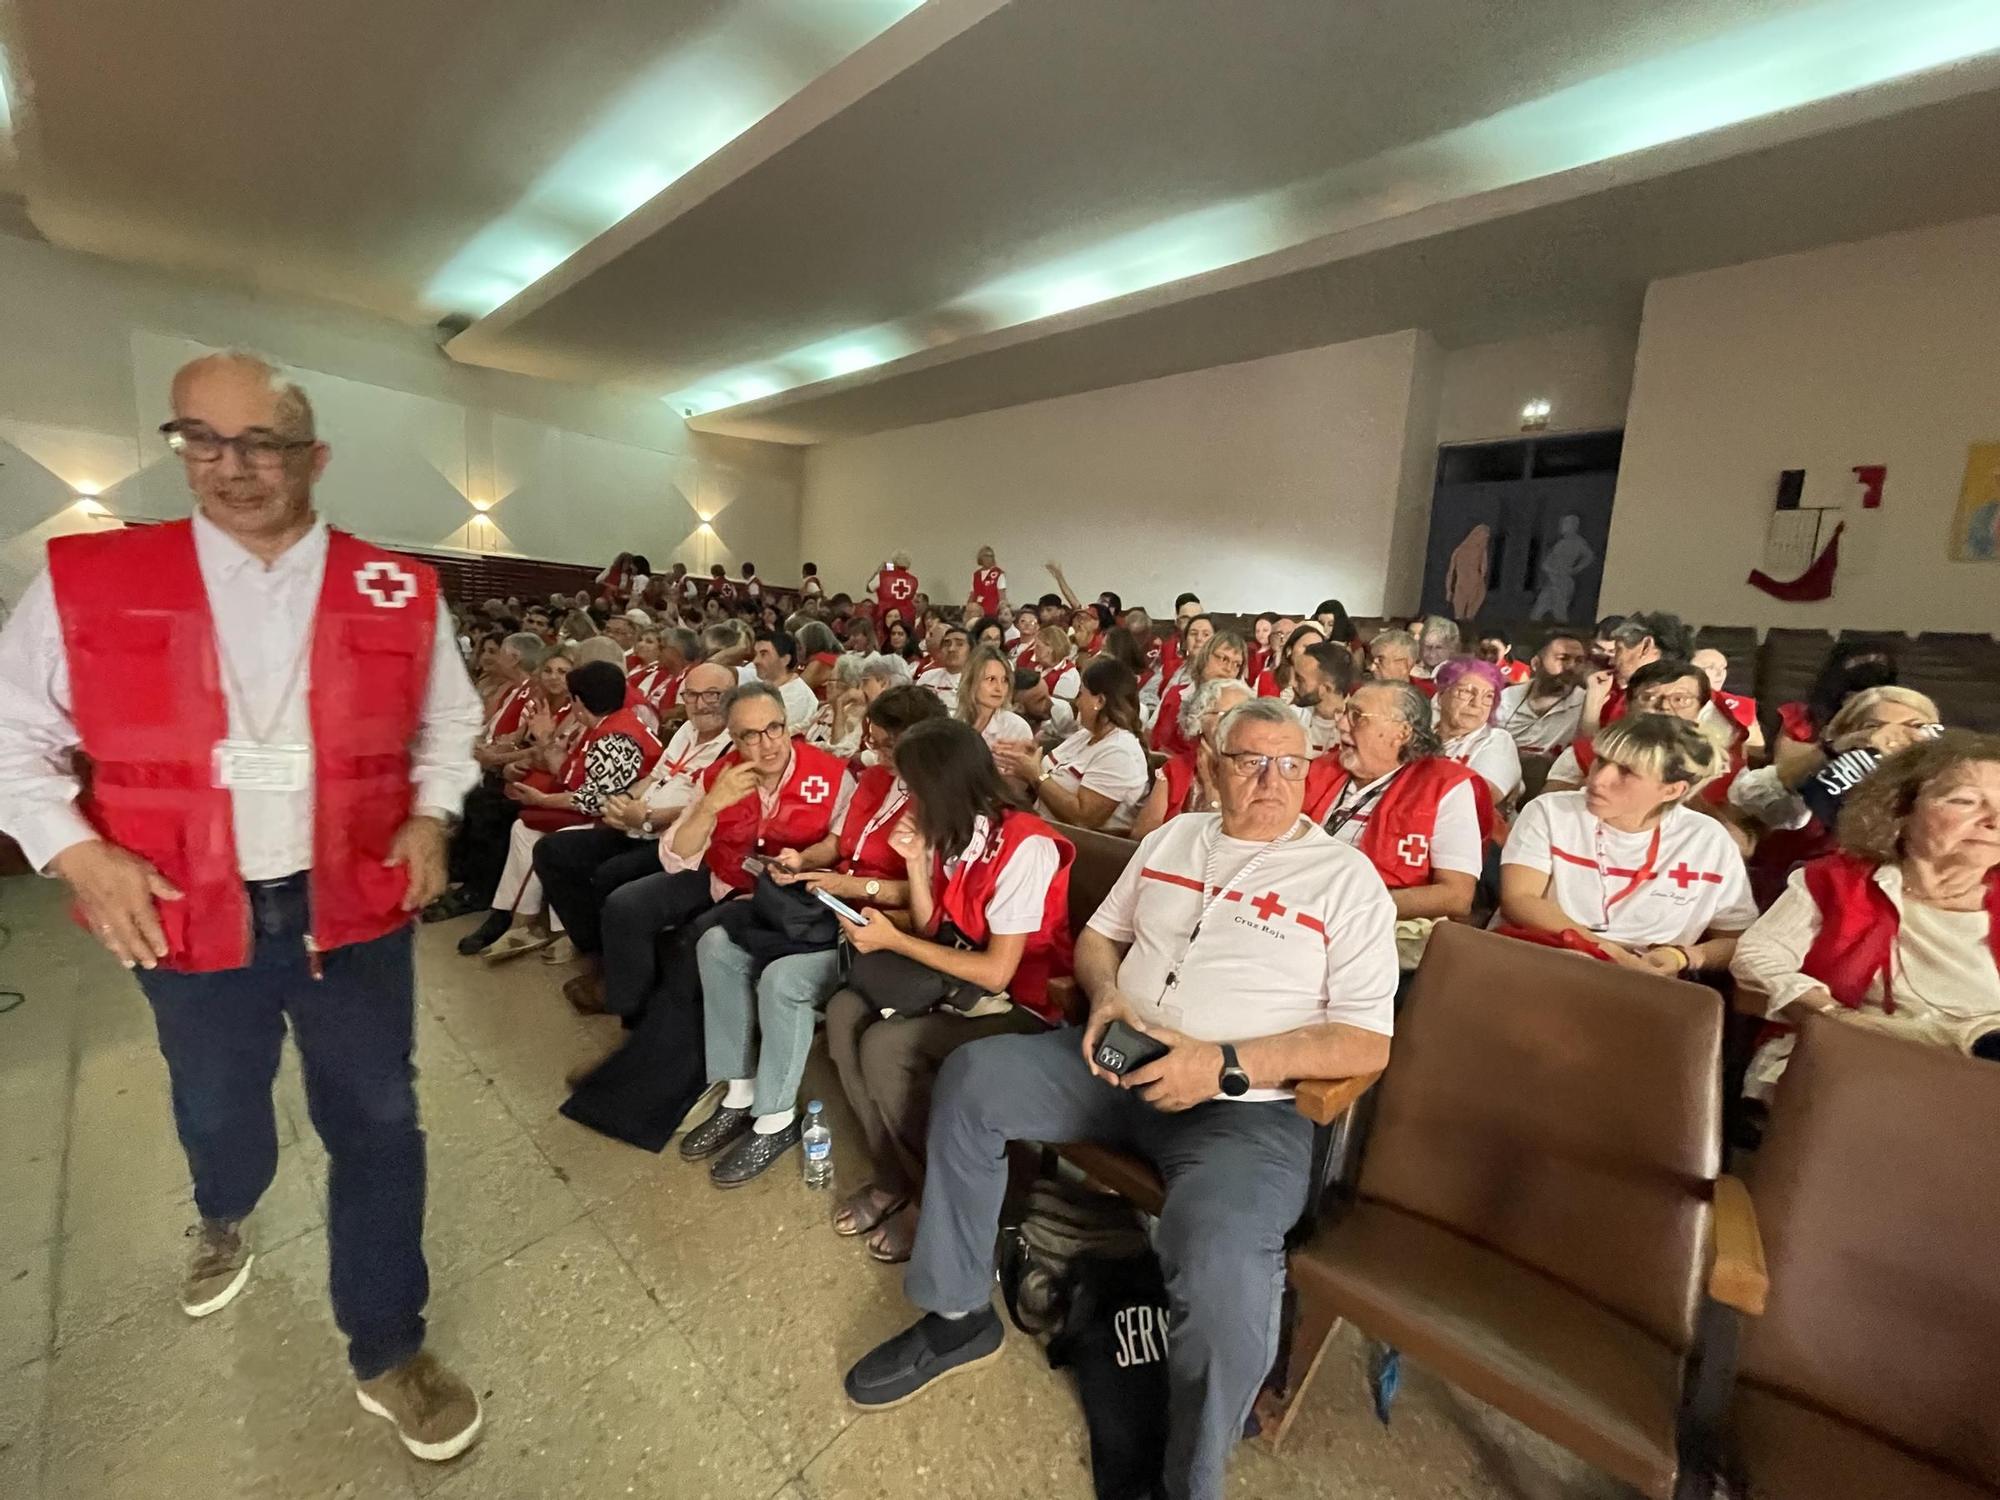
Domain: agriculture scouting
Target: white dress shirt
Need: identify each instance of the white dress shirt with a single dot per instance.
(262, 617)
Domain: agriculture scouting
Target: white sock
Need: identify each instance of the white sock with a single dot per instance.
(772, 1124)
(741, 1095)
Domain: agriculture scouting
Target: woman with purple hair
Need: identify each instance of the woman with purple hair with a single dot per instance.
(1467, 704)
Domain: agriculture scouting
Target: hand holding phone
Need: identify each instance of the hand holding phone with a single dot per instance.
(1121, 1049)
(839, 907)
(753, 865)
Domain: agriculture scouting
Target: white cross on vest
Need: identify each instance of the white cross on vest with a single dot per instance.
(386, 585)
(815, 789)
(1414, 850)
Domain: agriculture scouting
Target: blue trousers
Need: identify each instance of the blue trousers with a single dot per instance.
(221, 1035)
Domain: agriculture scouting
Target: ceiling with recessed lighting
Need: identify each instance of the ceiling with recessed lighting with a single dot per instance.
(797, 219)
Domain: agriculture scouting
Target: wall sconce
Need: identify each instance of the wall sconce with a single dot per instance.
(88, 504)
(1535, 415)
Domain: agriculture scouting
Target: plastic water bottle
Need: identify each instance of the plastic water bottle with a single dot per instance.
(819, 1147)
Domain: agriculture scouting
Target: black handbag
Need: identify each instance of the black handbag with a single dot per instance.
(794, 913)
(895, 981)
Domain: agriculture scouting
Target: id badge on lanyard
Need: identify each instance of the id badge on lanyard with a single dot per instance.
(246, 766)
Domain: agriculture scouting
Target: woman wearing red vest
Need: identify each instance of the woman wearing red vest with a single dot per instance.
(280, 728)
(894, 587)
(1422, 820)
(1222, 655)
(614, 751)
(1186, 782)
(761, 992)
(989, 905)
(1900, 928)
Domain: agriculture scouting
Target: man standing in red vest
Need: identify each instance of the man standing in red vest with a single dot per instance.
(280, 732)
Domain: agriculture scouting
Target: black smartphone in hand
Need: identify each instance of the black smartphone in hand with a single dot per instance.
(1121, 1049)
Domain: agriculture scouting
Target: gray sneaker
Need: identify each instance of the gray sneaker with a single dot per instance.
(218, 1266)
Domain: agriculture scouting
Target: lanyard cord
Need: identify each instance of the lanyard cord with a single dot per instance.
(1342, 816)
(292, 677)
(1640, 876)
(1221, 892)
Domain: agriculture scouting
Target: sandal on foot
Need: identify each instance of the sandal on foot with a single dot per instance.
(863, 1213)
(892, 1242)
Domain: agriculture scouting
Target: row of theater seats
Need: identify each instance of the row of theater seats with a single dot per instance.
(1531, 1203)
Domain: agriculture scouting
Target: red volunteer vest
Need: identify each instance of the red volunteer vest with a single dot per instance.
(1614, 706)
(624, 722)
(1397, 836)
(1741, 711)
(986, 590)
(864, 837)
(512, 709)
(1516, 671)
(1167, 736)
(147, 700)
(962, 900)
(1178, 772)
(894, 588)
(1795, 721)
(1858, 922)
(801, 819)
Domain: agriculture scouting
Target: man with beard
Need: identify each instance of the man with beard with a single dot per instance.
(1542, 713)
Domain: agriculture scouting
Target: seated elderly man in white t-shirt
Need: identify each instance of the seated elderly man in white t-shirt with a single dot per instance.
(1258, 950)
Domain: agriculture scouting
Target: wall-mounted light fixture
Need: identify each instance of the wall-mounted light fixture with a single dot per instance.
(1535, 415)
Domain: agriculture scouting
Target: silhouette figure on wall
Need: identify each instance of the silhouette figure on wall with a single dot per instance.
(1565, 562)
(1465, 572)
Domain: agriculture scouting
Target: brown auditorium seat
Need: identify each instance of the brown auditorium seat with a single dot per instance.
(1539, 1202)
(1874, 1373)
(1788, 663)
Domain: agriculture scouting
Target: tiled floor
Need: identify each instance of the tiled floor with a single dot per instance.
(636, 1333)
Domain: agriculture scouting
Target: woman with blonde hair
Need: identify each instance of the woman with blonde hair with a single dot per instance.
(1899, 928)
(1621, 867)
(986, 697)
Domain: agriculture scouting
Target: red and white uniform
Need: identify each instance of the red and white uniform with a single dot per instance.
(722, 591)
(1427, 815)
(894, 588)
(989, 589)
(810, 800)
(1490, 751)
(1515, 671)
(1013, 879)
(1296, 934)
(880, 799)
(1064, 681)
(1114, 767)
(676, 781)
(511, 710)
(942, 681)
(1670, 885)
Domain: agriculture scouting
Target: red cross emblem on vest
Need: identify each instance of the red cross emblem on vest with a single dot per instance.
(815, 789)
(899, 588)
(1267, 906)
(1414, 850)
(386, 585)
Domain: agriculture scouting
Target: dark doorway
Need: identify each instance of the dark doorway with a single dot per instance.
(1518, 528)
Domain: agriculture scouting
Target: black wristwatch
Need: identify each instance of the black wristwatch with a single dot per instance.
(1235, 1082)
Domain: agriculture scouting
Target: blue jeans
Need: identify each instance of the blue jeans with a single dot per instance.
(761, 1029)
(355, 1029)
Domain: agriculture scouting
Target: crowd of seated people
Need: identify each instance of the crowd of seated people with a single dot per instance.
(674, 770)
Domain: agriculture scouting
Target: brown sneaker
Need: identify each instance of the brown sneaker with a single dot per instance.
(218, 1266)
(436, 1414)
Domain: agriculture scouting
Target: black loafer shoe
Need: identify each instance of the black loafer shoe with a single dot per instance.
(486, 934)
(928, 1350)
(717, 1131)
(752, 1155)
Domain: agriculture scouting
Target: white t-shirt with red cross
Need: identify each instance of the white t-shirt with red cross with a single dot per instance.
(1114, 767)
(1302, 932)
(1670, 885)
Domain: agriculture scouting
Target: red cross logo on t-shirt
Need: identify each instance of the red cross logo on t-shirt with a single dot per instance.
(1414, 850)
(1267, 906)
(386, 585)
(814, 789)
(1684, 877)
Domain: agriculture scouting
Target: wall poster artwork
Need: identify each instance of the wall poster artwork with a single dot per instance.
(1975, 528)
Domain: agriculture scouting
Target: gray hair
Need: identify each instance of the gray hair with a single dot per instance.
(1195, 707)
(1256, 711)
(743, 692)
(1401, 640)
(529, 648)
(1438, 628)
(1414, 709)
(888, 667)
(813, 637)
(598, 648)
(685, 641)
(847, 668)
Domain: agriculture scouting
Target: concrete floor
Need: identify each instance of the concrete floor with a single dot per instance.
(634, 1332)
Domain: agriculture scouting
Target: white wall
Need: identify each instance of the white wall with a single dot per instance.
(87, 346)
(1886, 351)
(1585, 374)
(1275, 482)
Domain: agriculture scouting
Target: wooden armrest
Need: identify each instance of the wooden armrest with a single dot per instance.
(1066, 995)
(1324, 1100)
(1737, 1277)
